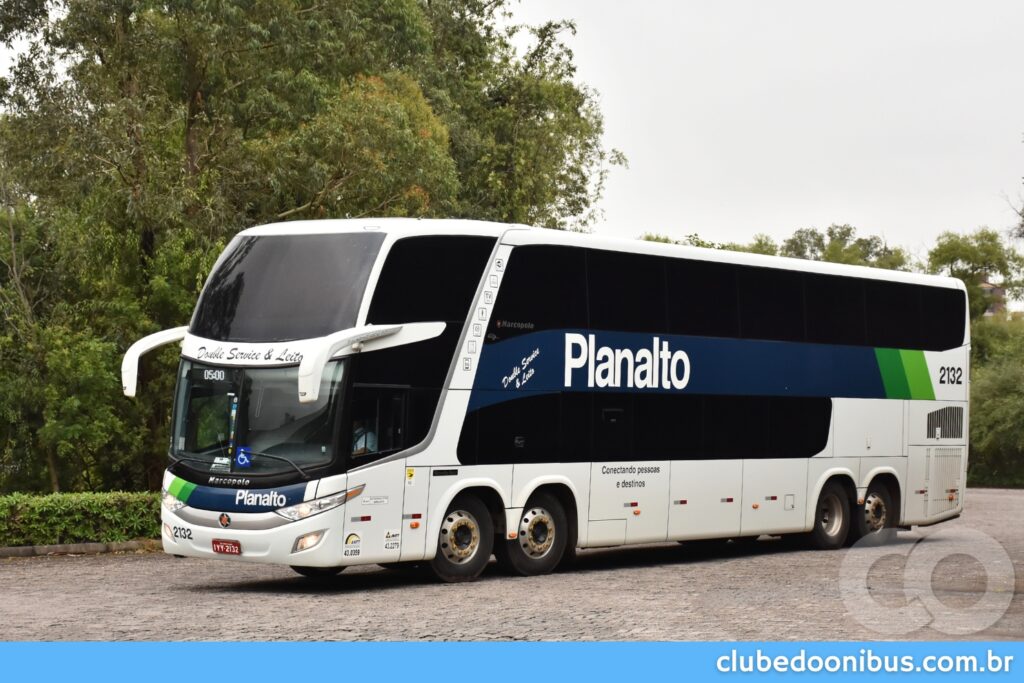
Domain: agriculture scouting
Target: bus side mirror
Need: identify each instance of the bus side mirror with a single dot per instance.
(366, 338)
(130, 362)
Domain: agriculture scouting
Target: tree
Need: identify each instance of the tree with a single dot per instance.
(762, 244)
(136, 137)
(532, 168)
(838, 244)
(997, 412)
(975, 258)
(692, 240)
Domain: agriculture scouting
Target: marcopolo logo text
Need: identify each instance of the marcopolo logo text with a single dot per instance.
(271, 499)
(657, 367)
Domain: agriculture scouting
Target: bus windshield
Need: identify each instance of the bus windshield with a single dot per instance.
(249, 420)
(276, 288)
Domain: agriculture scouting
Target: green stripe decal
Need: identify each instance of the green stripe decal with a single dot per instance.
(893, 377)
(186, 491)
(917, 375)
(175, 486)
(181, 489)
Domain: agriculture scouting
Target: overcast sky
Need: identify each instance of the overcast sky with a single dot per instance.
(904, 119)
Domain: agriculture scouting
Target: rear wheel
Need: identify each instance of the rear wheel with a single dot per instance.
(541, 538)
(875, 520)
(831, 517)
(318, 572)
(464, 542)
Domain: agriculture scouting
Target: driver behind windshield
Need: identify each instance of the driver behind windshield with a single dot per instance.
(364, 440)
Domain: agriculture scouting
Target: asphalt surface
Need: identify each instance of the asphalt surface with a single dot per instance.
(774, 589)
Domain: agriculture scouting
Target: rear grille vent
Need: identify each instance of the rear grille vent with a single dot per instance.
(946, 423)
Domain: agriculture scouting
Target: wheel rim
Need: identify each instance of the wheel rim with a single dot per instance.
(875, 513)
(831, 515)
(537, 533)
(460, 537)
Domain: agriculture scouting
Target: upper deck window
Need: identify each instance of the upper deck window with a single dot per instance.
(275, 288)
(627, 292)
(544, 288)
(554, 287)
(428, 278)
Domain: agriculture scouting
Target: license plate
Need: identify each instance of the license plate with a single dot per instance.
(227, 547)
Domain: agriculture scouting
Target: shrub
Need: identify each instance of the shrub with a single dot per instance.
(78, 518)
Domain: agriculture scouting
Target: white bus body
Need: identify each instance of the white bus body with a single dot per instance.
(578, 391)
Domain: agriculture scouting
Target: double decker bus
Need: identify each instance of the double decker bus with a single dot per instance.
(438, 392)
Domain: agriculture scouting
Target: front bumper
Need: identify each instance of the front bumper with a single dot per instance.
(275, 545)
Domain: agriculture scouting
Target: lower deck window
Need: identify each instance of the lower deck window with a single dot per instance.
(595, 427)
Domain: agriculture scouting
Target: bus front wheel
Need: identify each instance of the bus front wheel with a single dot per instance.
(465, 541)
(831, 517)
(541, 538)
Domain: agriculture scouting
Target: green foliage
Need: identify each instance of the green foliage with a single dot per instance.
(838, 244)
(78, 518)
(376, 148)
(974, 259)
(693, 240)
(531, 167)
(997, 404)
(137, 137)
(762, 244)
(994, 338)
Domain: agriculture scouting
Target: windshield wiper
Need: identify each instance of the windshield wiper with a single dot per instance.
(198, 460)
(282, 459)
(301, 471)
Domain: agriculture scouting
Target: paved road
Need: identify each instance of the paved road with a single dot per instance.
(659, 592)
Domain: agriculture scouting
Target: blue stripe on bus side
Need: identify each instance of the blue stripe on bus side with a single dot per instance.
(535, 363)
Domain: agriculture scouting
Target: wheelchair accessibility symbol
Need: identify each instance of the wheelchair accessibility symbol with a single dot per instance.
(244, 457)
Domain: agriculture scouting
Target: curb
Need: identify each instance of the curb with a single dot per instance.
(78, 548)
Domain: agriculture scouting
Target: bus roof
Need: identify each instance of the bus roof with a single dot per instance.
(519, 235)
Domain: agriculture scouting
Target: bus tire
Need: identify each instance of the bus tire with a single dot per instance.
(464, 542)
(875, 521)
(568, 560)
(831, 517)
(317, 572)
(542, 537)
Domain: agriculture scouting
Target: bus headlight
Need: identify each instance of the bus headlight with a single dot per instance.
(171, 504)
(315, 507)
